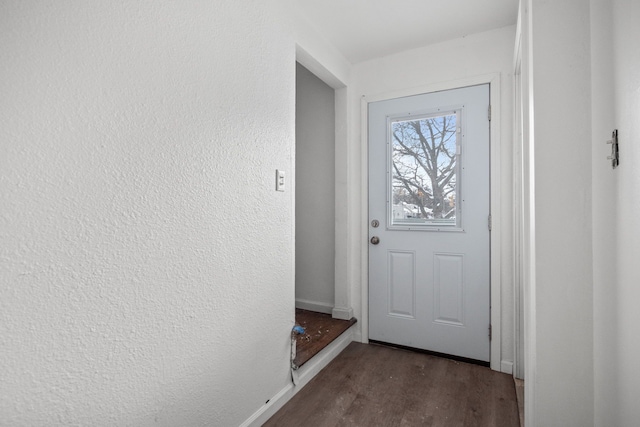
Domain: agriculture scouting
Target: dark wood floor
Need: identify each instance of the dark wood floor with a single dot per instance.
(320, 330)
(372, 385)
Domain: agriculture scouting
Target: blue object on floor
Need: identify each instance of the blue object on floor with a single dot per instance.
(298, 329)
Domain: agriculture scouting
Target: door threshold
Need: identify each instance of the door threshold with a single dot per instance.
(432, 353)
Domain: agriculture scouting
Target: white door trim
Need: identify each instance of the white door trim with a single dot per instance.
(518, 206)
(495, 173)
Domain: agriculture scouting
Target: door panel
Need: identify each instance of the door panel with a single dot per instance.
(429, 284)
(448, 288)
(402, 284)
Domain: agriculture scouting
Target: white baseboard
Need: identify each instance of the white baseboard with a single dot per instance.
(344, 313)
(506, 367)
(303, 376)
(319, 307)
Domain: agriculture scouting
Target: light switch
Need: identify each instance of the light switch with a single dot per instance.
(279, 180)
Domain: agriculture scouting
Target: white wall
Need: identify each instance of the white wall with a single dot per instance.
(559, 97)
(315, 192)
(626, 33)
(146, 259)
(604, 210)
(471, 56)
(616, 201)
(585, 366)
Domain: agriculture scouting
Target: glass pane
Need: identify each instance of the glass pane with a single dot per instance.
(424, 170)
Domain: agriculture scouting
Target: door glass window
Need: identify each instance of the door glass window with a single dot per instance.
(423, 171)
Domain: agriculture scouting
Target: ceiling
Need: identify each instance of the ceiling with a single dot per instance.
(366, 29)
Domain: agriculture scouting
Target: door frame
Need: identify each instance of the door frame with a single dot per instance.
(495, 201)
(519, 274)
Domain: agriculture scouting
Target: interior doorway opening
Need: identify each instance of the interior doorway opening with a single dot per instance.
(315, 210)
(320, 310)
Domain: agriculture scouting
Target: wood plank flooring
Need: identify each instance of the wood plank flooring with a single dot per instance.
(373, 385)
(520, 395)
(320, 330)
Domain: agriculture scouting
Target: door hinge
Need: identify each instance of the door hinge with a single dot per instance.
(489, 222)
(490, 333)
(489, 112)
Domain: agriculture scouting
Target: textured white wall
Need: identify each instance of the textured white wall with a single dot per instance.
(146, 260)
(560, 96)
(626, 33)
(587, 56)
(604, 210)
(315, 191)
(471, 56)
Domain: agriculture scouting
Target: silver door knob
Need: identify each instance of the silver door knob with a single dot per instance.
(375, 240)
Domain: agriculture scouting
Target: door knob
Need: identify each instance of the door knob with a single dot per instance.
(375, 240)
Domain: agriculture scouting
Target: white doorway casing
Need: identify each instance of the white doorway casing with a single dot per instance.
(518, 206)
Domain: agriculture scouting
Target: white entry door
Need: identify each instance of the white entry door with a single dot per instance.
(429, 284)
